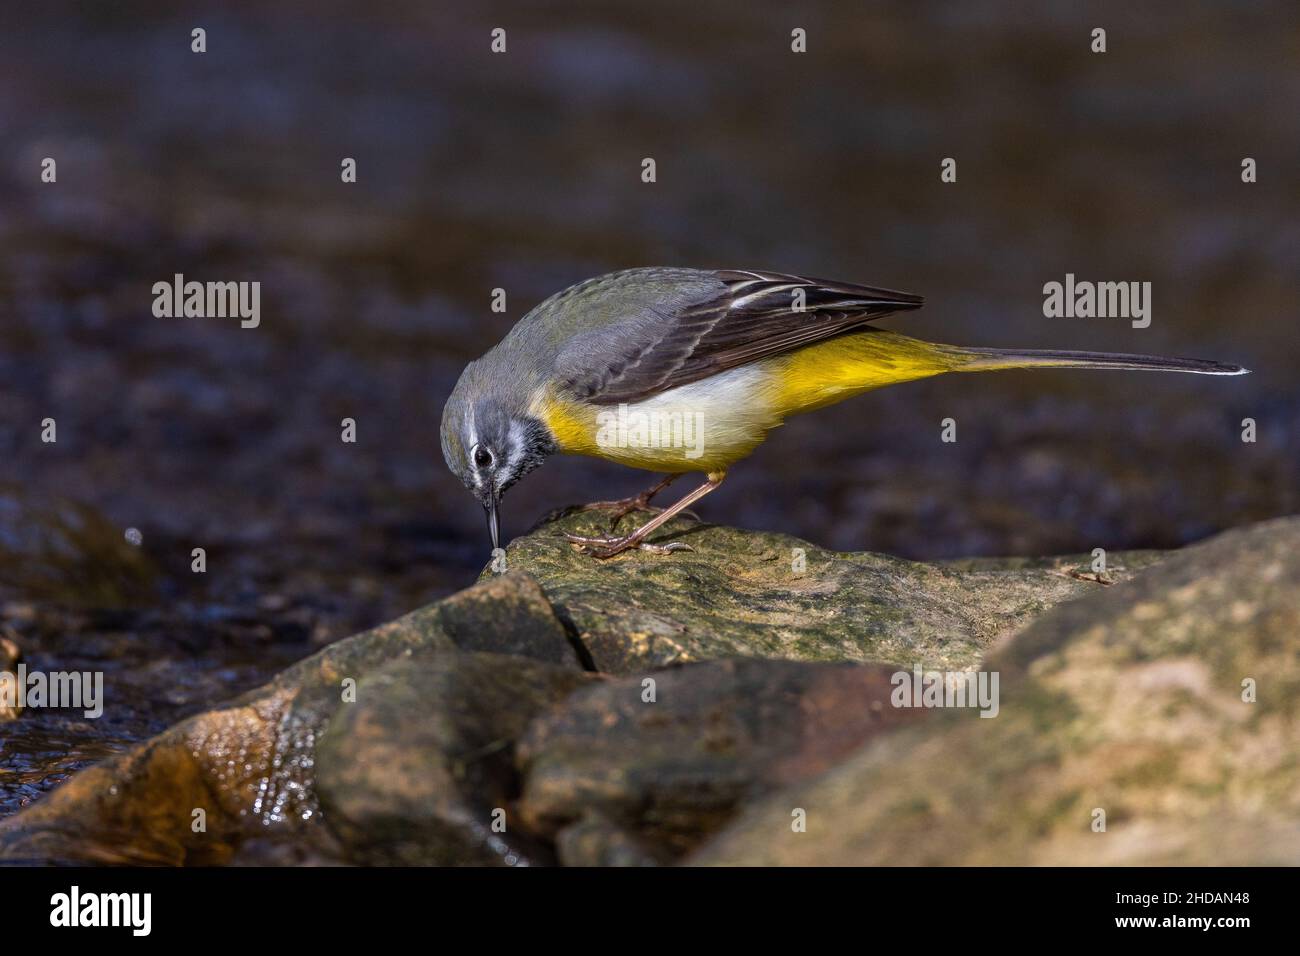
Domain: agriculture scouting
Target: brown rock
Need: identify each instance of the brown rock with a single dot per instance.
(420, 768)
(595, 840)
(509, 614)
(674, 770)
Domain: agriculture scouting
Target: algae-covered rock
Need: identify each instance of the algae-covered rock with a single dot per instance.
(754, 594)
(1166, 710)
(56, 550)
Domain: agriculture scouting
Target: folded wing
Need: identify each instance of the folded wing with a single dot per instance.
(730, 318)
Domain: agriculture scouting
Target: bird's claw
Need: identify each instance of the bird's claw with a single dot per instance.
(608, 547)
(668, 547)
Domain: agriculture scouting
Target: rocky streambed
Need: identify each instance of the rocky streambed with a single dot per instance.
(738, 704)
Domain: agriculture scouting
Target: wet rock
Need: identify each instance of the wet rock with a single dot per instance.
(420, 770)
(180, 798)
(669, 757)
(1134, 702)
(755, 594)
(248, 766)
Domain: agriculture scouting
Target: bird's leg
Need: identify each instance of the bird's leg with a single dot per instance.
(625, 506)
(608, 547)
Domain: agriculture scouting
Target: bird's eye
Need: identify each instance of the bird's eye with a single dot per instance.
(482, 457)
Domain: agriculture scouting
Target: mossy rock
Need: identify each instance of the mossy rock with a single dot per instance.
(1167, 709)
(755, 594)
(401, 744)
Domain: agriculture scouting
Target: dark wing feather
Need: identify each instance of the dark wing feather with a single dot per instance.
(745, 317)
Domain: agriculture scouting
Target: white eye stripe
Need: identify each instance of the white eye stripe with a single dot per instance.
(516, 446)
(470, 426)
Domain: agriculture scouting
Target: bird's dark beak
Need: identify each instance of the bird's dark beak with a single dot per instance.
(490, 507)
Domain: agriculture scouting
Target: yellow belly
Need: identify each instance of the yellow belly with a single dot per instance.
(710, 424)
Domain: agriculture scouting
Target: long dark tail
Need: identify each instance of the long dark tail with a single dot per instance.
(988, 359)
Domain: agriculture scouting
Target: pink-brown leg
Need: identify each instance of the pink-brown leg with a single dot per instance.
(625, 506)
(608, 547)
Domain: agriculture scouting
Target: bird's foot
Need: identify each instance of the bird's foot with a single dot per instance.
(600, 547)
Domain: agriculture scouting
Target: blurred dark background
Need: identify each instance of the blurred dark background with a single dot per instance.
(522, 171)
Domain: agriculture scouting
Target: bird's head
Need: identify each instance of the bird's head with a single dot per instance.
(489, 445)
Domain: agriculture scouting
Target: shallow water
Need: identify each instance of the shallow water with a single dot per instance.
(522, 172)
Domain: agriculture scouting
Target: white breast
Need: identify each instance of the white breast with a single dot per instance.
(706, 424)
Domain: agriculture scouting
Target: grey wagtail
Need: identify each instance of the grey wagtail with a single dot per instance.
(682, 370)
